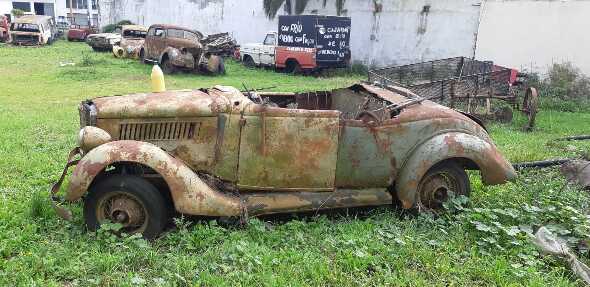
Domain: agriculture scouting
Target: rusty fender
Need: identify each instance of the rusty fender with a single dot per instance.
(178, 58)
(494, 168)
(189, 193)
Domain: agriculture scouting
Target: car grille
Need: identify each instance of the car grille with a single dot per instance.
(157, 131)
(26, 39)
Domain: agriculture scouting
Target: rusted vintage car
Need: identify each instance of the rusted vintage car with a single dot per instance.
(104, 42)
(80, 32)
(33, 30)
(177, 48)
(133, 38)
(225, 153)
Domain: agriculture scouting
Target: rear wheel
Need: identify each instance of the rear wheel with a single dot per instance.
(441, 183)
(167, 67)
(142, 55)
(128, 200)
(249, 62)
(293, 67)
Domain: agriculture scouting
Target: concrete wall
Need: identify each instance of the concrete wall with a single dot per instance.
(384, 32)
(535, 34)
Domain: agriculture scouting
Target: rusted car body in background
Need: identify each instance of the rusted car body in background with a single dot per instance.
(132, 39)
(223, 152)
(79, 32)
(177, 48)
(33, 30)
(4, 29)
(103, 42)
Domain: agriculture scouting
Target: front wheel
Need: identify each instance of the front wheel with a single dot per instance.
(128, 200)
(441, 183)
(167, 67)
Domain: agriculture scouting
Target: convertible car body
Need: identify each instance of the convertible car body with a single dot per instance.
(224, 152)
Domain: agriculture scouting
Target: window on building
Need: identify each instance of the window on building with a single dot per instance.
(80, 4)
(25, 6)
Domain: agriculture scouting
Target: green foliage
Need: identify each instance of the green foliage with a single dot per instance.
(111, 27)
(17, 12)
(373, 247)
(271, 7)
(565, 88)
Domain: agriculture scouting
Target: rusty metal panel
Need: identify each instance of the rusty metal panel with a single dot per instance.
(284, 149)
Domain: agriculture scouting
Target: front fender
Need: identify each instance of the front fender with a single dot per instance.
(492, 165)
(190, 194)
(178, 58)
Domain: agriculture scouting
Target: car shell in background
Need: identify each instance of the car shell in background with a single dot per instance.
(79, 32)
(104, 41)
(33, 30)
(132, 40)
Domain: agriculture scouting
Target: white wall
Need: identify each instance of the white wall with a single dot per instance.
(5, 7)
(525, 34)
(399, 34)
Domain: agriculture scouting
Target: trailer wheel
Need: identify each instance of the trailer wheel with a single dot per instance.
(530, 107)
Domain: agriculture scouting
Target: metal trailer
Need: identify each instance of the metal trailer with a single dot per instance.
(466, 84)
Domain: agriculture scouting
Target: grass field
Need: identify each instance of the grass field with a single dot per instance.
(484, 244)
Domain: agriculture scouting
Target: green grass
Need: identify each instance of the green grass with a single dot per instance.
(38, 125)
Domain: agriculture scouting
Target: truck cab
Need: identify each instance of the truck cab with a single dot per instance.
(260, 54)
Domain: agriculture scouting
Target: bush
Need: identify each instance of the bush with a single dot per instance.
(565, 88)
(17, 12)
(111, 27)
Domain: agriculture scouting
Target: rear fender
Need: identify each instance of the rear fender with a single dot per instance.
(190, 194)
(453, 145)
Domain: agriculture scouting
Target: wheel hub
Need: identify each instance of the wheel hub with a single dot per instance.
(126, 211)
(436, 190)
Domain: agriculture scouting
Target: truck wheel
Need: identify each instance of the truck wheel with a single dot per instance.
(167, 67)
(293, 67)
(440, 184)
(249, 62)
(128, 200)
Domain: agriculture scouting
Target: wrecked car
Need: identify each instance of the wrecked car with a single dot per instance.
(222, 152)
(79, 32)
(33, 30)
(4, 29)
(176, 48)
(133, 38)
(104, 41)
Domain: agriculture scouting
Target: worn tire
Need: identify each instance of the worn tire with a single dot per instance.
(439, 184)
(167, 67)
(221, 67)
(142, 56)
(144, 193)
(249, 62)
(293, 67)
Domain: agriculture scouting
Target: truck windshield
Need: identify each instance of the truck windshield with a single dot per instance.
(134, 34)
(24, 27)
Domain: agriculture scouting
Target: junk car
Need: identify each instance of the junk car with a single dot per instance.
(132, 39)
(103, 42)
(33, 30)
(79, 32)
(177, 48)
(222, 152)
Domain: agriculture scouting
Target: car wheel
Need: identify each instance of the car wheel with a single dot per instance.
(441, 183)
(249, 62)
(128, 200)
(96, 49)
(167, 67)
(142, 55)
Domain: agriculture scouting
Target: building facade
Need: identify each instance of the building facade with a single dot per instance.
(82, 11)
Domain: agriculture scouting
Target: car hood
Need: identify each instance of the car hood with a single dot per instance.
(184, 103)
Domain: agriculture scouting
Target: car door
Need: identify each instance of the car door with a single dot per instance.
(288, 149)
(267, 50)
(154, 42)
